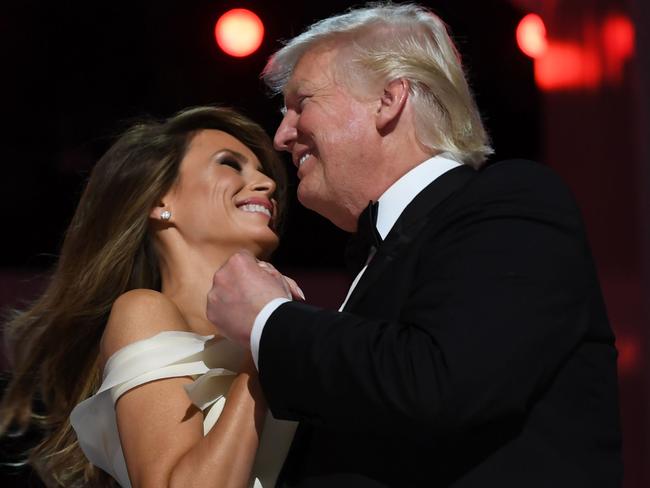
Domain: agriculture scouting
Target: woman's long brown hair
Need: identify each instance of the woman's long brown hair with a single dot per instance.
(53, 345)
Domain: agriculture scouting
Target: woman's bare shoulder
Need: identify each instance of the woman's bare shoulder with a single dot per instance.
(136, 315)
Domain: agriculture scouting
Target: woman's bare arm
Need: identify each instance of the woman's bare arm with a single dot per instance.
(161, 431)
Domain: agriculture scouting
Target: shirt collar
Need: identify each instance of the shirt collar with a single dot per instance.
(397, 197)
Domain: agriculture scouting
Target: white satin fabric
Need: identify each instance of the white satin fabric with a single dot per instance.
(212, 364)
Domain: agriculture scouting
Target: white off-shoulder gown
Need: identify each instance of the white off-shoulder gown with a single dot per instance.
(212, 364)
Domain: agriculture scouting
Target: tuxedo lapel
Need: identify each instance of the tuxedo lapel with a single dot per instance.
(409, 225)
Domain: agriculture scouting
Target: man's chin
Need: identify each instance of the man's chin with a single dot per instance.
(330, 211)
(312, 201)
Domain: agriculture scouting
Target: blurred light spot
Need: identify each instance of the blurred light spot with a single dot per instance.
(531, 36)
(239, 32)
(618, 43)
(594, 56)
(567, 66)
(629, 354)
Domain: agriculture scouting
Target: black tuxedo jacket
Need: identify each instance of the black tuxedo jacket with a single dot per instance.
(474, 352)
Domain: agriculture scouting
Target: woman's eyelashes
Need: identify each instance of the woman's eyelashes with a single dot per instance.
(233, 163)
(240, 163)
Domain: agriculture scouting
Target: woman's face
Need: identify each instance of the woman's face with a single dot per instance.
(222, 198)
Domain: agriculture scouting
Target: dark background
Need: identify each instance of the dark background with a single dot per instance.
(80, 70)
(75, 73)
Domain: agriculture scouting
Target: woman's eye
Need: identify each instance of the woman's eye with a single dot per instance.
(232, 163)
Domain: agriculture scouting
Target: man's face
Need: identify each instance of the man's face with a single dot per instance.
(331, 136)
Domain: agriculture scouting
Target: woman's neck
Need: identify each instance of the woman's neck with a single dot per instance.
(186, 279)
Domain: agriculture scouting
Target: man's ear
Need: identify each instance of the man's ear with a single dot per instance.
(392, 103)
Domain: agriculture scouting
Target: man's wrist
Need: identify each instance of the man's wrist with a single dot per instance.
(258, 326)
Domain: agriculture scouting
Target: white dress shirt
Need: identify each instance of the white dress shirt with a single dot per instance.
(391, 205)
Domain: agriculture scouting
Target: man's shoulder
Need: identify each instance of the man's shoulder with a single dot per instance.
(515, 188)
(518, 170)
(519, 180)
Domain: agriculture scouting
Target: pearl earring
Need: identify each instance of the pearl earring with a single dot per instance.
(165, 215)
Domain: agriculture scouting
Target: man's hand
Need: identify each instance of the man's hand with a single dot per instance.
(240, 289)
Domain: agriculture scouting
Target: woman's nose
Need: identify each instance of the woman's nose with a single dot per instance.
(263, 183)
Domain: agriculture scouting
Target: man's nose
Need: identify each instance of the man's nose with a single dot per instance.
(286, 134)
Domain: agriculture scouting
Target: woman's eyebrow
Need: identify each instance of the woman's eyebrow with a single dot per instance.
(237, 155)
(241, 159)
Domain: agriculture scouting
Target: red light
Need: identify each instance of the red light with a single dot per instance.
(531, 36)
(589, 61)
(618, 42)
(567, 66)
(239, 32)
(629, 354)
(618, 35)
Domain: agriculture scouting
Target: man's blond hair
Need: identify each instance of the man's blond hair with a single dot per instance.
(383, 42)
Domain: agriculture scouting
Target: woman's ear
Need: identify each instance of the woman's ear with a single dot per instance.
(392, 103)
(161, 212)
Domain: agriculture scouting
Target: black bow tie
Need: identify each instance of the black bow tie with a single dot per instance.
(366, 238)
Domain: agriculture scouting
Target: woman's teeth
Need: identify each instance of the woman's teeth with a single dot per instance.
(251, 207)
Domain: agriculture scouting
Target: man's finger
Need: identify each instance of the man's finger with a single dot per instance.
(270, 269)
(296, 291)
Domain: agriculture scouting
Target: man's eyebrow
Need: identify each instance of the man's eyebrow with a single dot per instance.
(294, 86)
(289, 87)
